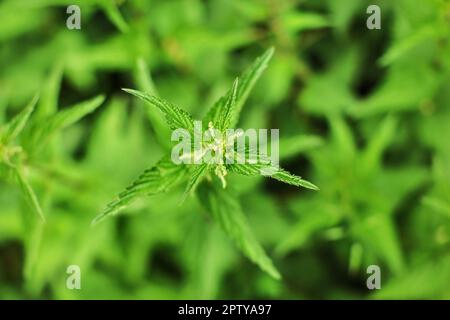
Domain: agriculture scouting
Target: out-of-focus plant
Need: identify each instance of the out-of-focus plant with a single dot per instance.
(362, 113)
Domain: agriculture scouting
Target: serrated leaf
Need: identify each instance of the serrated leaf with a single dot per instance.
(272, 172)
(196, 175)
(226, 113)
(175, 116)
(226, 210)
(16, 125)
(158, 179)
(28, 193)
(248, 81)
(246, 84)
(289, 178)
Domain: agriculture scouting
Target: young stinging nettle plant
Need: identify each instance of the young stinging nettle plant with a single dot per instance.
(217, 199)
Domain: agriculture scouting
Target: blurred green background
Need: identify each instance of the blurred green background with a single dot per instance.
(363, 114)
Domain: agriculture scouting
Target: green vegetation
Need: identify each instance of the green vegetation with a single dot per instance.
(363, 114)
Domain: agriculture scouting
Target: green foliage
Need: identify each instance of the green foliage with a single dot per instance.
(176, 117)
(12, 129)
(226, 210)
(243, 88)
(226, 113)
(160, 178)
(362, 113)
(29, 193)
(164, 175)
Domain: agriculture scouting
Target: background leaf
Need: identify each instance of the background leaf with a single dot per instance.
(227, 212)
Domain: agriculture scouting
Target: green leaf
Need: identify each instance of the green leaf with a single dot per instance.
(371, 158)
(301, 21)
(145, 83)
(313, 217)
(69, 116)
(114, 15)
(246, 84)
(377, 232)
(437, 205)
(430, 278)
(176, 117)
(343, 138)
(272, 172)
(194, 179)
(226, 113)
(158, 179)
(248, 81)
(43, 129)
(297, 144)
(227, 211)
(402, 46)
(16, 125)
(48, 103)
(28, 193)
(399, 91)
(143, 77)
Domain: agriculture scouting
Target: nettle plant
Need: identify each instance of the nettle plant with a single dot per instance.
(208, 178)
(23, 139)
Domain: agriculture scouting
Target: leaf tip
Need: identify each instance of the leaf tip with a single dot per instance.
(310, 185)
(128, 90)
(98, 219)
